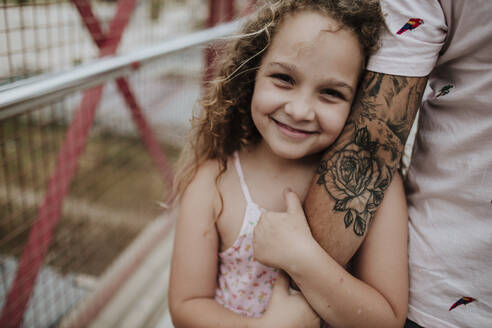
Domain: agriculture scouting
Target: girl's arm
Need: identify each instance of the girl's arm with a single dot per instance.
(378, 293)
(194, 259)
(194, 268)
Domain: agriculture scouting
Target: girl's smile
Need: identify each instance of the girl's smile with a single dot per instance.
(292, 132)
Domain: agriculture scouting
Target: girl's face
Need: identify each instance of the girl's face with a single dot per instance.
(305, 85)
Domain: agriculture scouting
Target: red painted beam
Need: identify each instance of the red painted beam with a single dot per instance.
(41, 232)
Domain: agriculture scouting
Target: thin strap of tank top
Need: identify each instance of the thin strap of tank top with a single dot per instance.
(239, 170)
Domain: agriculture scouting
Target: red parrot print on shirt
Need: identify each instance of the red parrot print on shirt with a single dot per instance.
(462, 301)
(412, 24)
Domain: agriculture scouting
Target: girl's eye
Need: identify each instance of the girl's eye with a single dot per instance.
(333, 93)
(284, 78)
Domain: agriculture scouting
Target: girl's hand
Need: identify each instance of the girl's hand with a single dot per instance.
(280, 237)
(287, 310)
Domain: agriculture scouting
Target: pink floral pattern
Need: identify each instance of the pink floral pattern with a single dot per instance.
(244, 285)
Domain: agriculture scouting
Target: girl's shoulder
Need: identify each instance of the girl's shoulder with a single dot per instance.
(205, 186)
(204, 178)
(208, 170)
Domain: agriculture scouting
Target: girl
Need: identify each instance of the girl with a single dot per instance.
(283, 94)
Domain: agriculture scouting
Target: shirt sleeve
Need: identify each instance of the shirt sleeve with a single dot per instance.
(414, 35)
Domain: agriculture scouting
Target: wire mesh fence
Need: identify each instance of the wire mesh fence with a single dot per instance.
(79, 178)
(112, 197)
(115, 192)
(39, 36)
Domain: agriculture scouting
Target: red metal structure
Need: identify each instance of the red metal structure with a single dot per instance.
(42, 229)
(41, 233)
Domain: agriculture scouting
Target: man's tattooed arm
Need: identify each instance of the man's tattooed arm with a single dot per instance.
(354, 173)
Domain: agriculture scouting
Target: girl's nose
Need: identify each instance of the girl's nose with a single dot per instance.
(300, 108)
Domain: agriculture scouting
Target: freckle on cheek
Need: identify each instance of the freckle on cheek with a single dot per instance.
(341, 280)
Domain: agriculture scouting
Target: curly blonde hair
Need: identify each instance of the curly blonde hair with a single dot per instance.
(225, 124)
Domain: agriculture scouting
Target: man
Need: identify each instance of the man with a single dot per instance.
(449, 44)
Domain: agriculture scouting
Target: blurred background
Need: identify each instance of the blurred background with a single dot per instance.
(95, 102)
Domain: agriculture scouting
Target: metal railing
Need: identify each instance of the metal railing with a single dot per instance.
(40, 36)
(49, 135)
(18, 97)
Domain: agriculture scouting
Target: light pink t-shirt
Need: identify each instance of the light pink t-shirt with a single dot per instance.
(244, 285)
(450, 175)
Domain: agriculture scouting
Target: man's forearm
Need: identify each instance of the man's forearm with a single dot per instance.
(354, 173)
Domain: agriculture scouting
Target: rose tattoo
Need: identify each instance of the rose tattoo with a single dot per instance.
(356, 180)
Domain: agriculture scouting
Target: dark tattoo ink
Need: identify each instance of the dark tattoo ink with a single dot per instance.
(374, 84)
(401, 126)
(356, 180)
(414, 98)
(368, 110)
(357, 173)
(398, 83)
